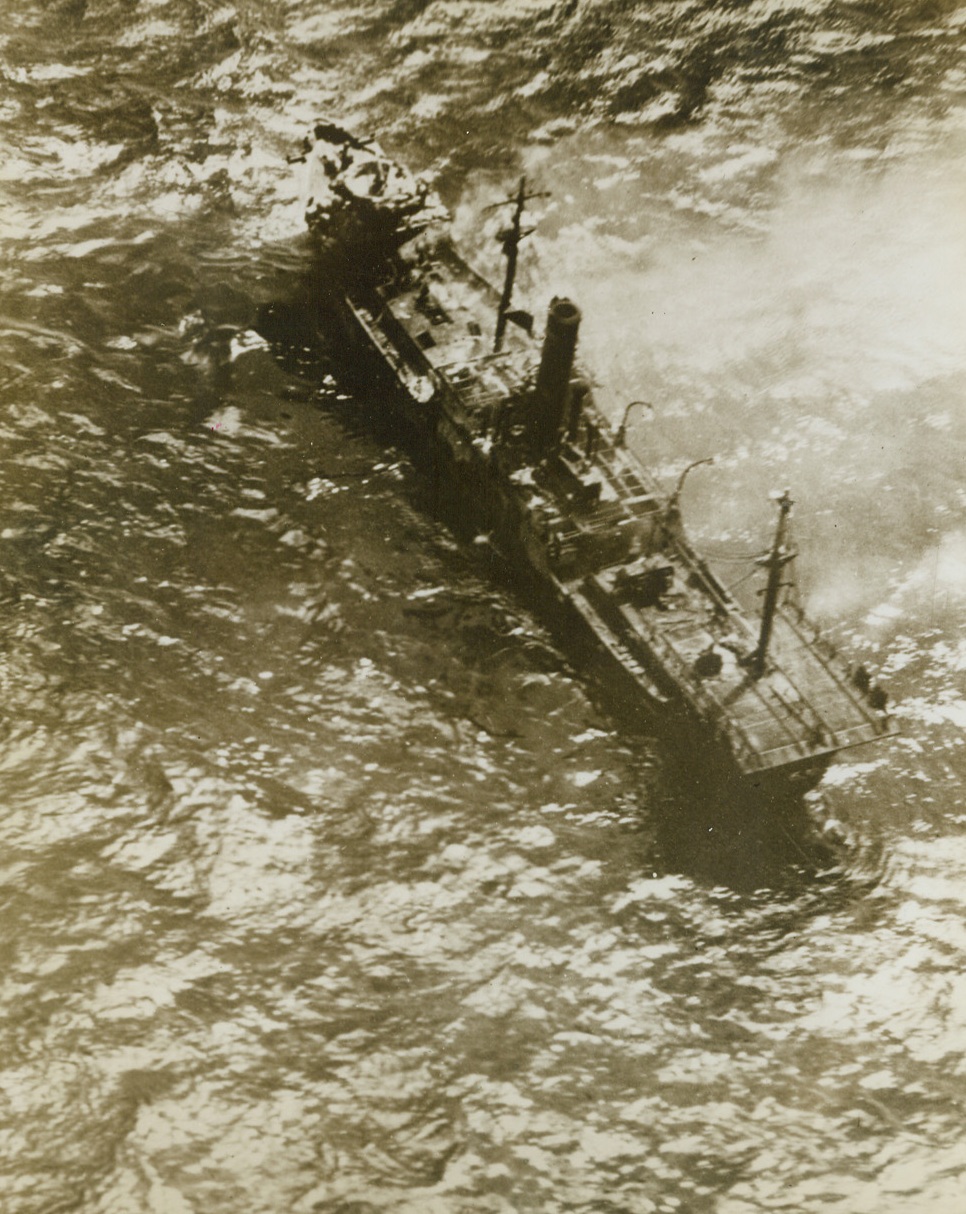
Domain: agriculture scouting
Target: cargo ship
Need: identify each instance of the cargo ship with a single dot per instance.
(511, 426)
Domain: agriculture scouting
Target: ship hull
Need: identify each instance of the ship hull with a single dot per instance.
(515, 451)
(475, 504)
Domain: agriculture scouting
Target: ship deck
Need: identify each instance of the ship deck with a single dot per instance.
(799, 709)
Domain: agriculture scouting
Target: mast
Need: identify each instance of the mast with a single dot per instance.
(510, 239)
(776, 561)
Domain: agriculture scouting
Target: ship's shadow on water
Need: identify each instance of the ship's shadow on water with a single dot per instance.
(745, 840)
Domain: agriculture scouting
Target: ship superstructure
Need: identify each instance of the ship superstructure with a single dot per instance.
(546, 477)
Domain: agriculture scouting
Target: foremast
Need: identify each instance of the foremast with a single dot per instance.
(510, 239)
(776, 560)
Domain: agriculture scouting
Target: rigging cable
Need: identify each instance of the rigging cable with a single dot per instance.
(730, 558)
(735, 585)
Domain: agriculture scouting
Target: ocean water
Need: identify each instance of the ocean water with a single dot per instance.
(327, 884)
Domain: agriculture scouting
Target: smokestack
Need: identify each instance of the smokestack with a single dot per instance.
(553, 378)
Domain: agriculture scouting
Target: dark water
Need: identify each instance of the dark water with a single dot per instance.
(326, 886)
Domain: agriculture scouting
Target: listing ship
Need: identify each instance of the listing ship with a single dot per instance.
(546, 478)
